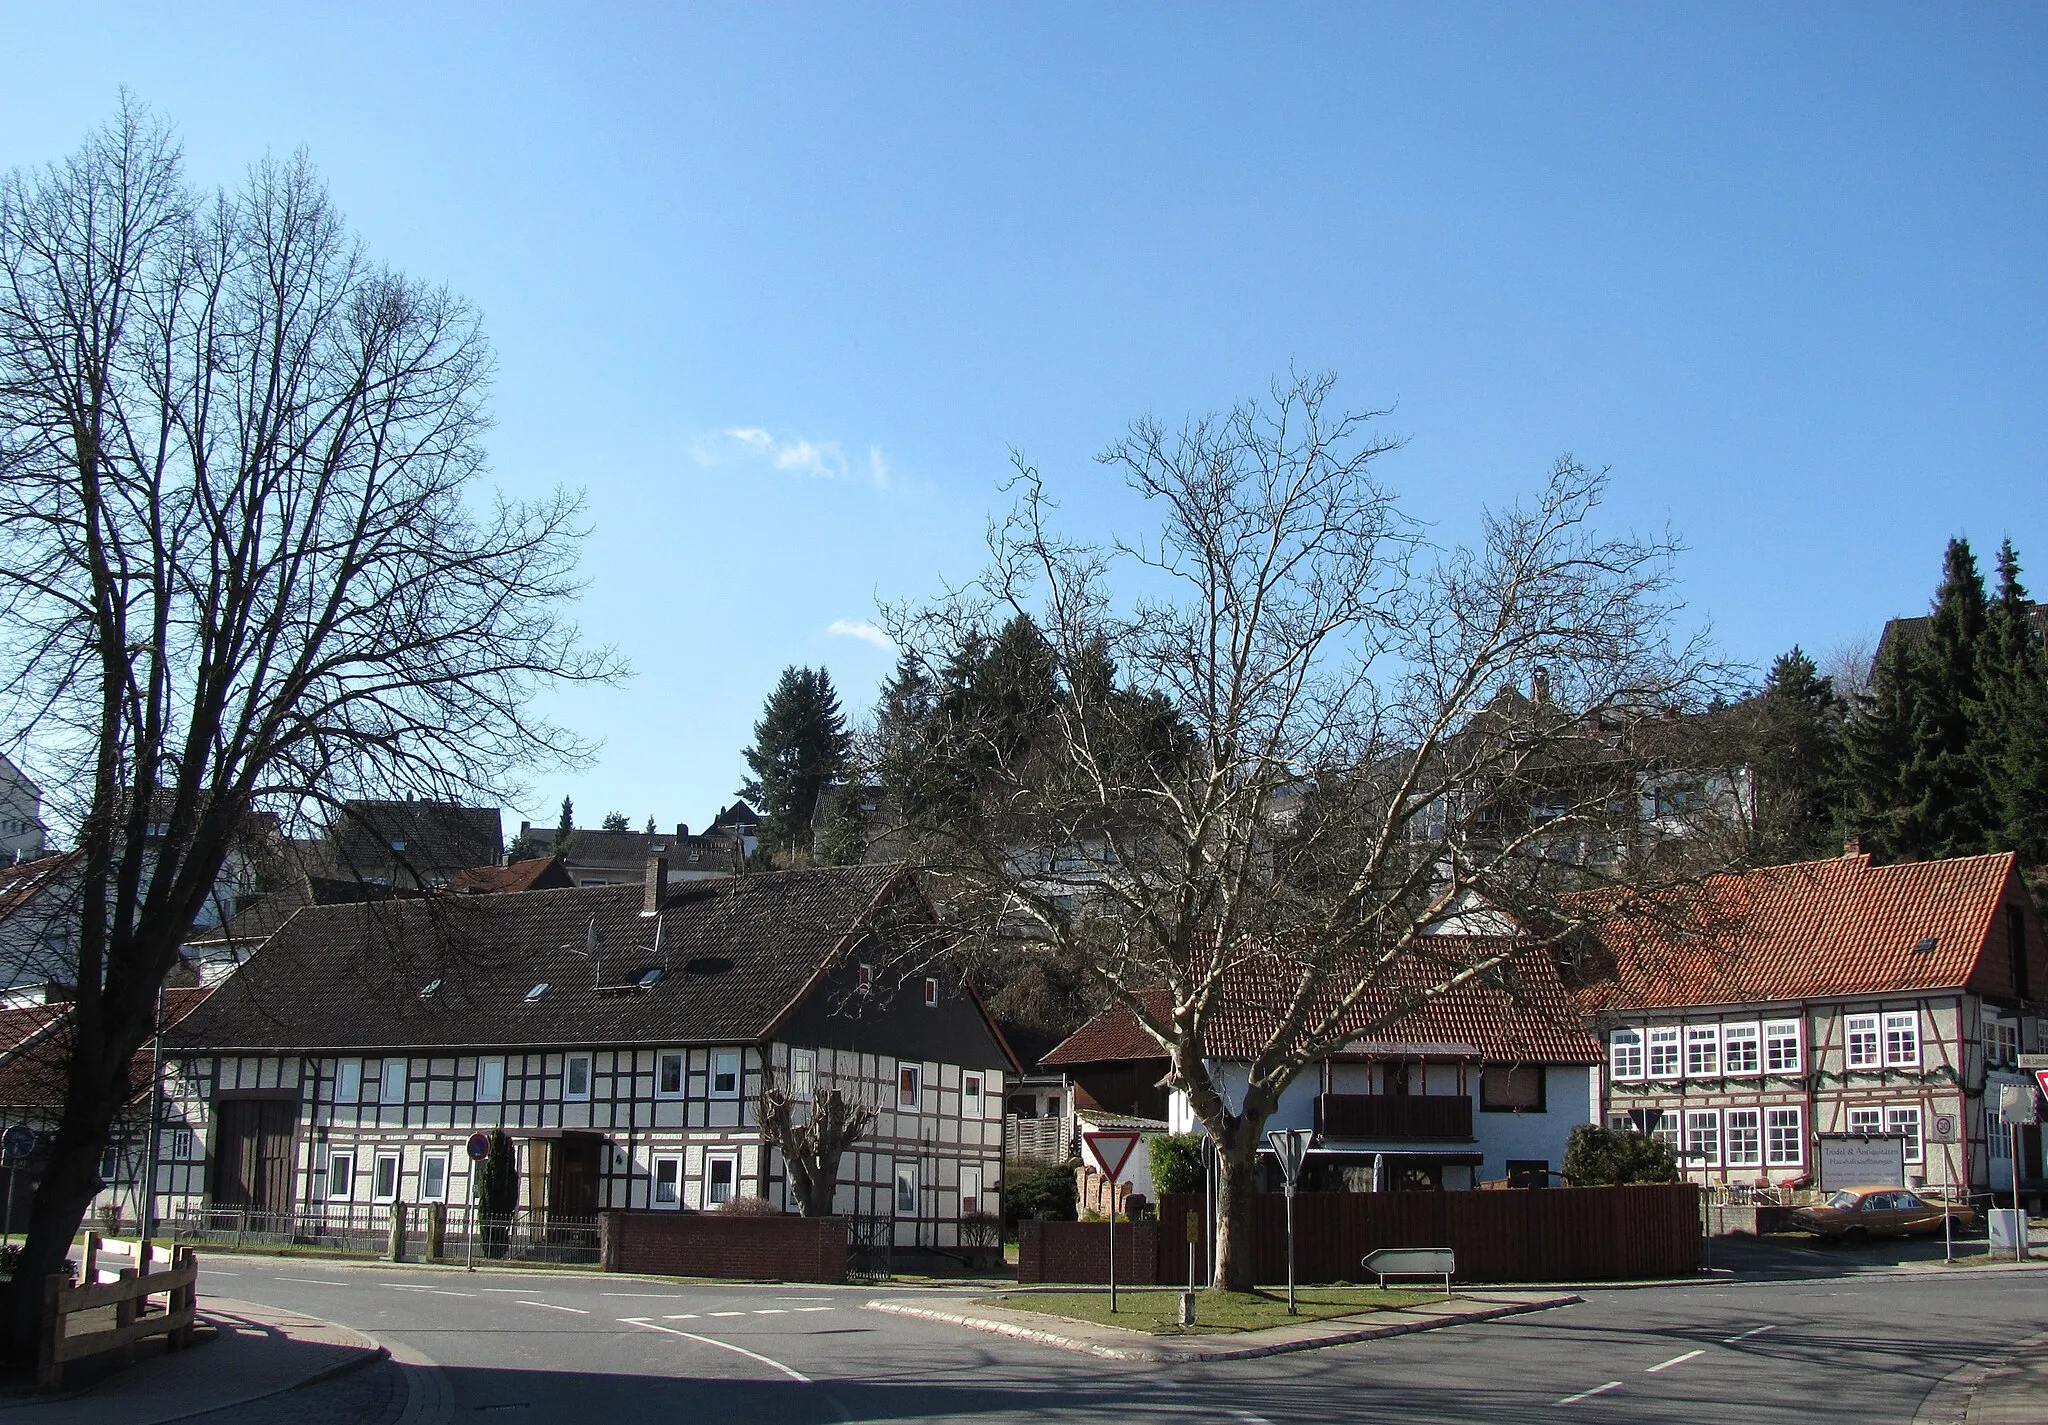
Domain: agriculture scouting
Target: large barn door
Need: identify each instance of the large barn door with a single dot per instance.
(252, 1162)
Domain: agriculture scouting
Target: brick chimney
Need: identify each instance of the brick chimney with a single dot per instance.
(1852, 846)
(656, 889)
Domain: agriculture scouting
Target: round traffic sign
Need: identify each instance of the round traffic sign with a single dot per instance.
(19, 1141)
(479, 1147)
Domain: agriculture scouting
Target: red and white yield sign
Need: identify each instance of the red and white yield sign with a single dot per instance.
(2041, 1078)
(1111, 1149)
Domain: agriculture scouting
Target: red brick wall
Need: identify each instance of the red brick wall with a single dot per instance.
(709, 1244)
(1079, 1252)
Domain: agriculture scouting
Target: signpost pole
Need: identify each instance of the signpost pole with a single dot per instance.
(2019, 1236)
(1111, 1149)
(1112, 1246)
(1290, 1247)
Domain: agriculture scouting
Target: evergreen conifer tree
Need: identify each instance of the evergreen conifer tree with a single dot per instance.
(564, 829)
(801, 747)
(1798, 758)
(1943, 807)
(2013, 718)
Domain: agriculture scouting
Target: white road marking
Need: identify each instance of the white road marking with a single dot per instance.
(1584, 1394)
(725, 1313)
(770, 1311)
(681, 1316)
(645, 1295)
(813, 1308)
(1753, 1331)
(313, 1281)
(722, 1345)
(217, 1272)
(505, 1290)
(1674, 1361)
(550, 1306)
(1245, 1417)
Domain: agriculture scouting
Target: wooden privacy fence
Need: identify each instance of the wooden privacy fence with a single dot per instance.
(1519, 1235)
(128, 1294)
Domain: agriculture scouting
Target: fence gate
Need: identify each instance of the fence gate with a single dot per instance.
(870, 1248)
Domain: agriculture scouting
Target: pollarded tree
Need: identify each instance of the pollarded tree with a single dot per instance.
(801, 747)
(1309, 757)
(813, 1125)
(241, 568)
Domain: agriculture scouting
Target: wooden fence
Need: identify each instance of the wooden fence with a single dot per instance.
(128, 1294)
(1525, 1235)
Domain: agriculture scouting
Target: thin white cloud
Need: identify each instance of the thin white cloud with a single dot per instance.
(862, 630)
(822, 459)
(878, 468)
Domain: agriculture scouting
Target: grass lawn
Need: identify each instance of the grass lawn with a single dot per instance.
(1157, 1309)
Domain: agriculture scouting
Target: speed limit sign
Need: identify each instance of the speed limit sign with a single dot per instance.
(1943, 1128)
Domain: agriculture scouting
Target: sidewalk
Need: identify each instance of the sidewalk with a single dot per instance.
(2016, 1391)
(1118, 1344)
(258, 1351)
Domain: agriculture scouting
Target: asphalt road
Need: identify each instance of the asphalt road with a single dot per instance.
(542, 1349)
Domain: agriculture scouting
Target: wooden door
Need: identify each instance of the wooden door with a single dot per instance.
(572, 1177)
(252, 1161)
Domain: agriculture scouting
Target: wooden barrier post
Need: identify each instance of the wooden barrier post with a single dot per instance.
(125, 1311)
(49, 1369)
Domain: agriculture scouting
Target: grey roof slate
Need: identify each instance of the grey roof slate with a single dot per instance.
(350, 976)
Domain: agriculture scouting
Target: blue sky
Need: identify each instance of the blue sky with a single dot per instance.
(781, 287)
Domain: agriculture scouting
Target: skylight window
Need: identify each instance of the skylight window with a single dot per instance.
(533, 995)
(650, 977)
(1926, 945)
(430, 989)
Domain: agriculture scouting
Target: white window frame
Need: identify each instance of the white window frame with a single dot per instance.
(972, 1099)
(1660, 1038)
(179, 1149)
(377, 1173)
(1863, 1041)
(1670, 1131)
(864, 978)
(570, 1093)
(348, 1188)
(1778, 1121)
(662, 1063)
(348, 1081)
(1864, 1119)
(909, 1087)
(673, 1162)
(1748, 1038)
(931, 993)
(1749, 1123)
(490, 1080)
(726, 1064)
(803, 1074)
(437, 1157)
(394, 1073)
(970, 1188)
(2001, 1042)
(1777, 1034)
(1703, 1051)
(906, 1190)
(1902, 1039)
(1625, 1062)
(731, 1163)
(1906, 1120)
(1702, 1138)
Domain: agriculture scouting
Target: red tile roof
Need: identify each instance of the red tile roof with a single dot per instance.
(1819, 929)
(35, 1050)
(541, 873)
(1534, 1021)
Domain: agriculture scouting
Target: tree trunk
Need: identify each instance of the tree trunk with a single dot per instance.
(70, 1182)
(1235, 1154)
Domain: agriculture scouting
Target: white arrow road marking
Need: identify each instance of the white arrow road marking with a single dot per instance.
(1753, 1331)
(722, 1345)
(550, 1306)
(1674, 1361)
(1584, 1394)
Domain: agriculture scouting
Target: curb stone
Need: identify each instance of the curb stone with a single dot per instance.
(1171, 1355)
(1953, 1397)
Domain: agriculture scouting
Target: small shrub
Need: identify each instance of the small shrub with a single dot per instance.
(1047, 1193)
(1176, 1162)
(749, 1207)
(1612, 1157)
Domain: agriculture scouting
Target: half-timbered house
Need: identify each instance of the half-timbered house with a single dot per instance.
(621, 1036)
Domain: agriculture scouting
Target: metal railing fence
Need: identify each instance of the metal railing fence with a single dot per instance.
(366, 1229)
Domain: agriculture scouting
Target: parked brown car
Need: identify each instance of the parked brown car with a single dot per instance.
(1860, 1213)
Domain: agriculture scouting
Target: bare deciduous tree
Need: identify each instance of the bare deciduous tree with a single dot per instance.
(1267, 756)
(238, 566)
(813, 1127)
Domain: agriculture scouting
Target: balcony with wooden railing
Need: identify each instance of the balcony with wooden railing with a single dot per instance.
(1443, 1118)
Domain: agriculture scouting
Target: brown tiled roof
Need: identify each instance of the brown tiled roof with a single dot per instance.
(21, 883)
(351, 976)
(439, 837)
(260, 918)
(1819, 929)
(35, 1051)
(541, 873)
(1535, 1022)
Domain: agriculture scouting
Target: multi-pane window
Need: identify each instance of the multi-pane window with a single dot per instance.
(668, 1182)
(909, 1079)
(490, 1081)
(721, 1176)
(384, 1180)
(1667, 1128)
(1702, 1051)
(393, 1089)
(1904, 1120)
(1784, 1137)
(725, 1075)
(1781, 1047)
(341, 1176)
(434, 1177)
(1664, 1053)
(1865, 1044)
(1703, 1137)
(803, 1072)
(1740, 1051)
(1866, 1121)
(348, 1081)
(906, 1189)
(576, 1078)
(1902, 1039)
(2001, 1041)
(1745, 1137)
(668, 1075)
(178, 1145)
(1625, 1054)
